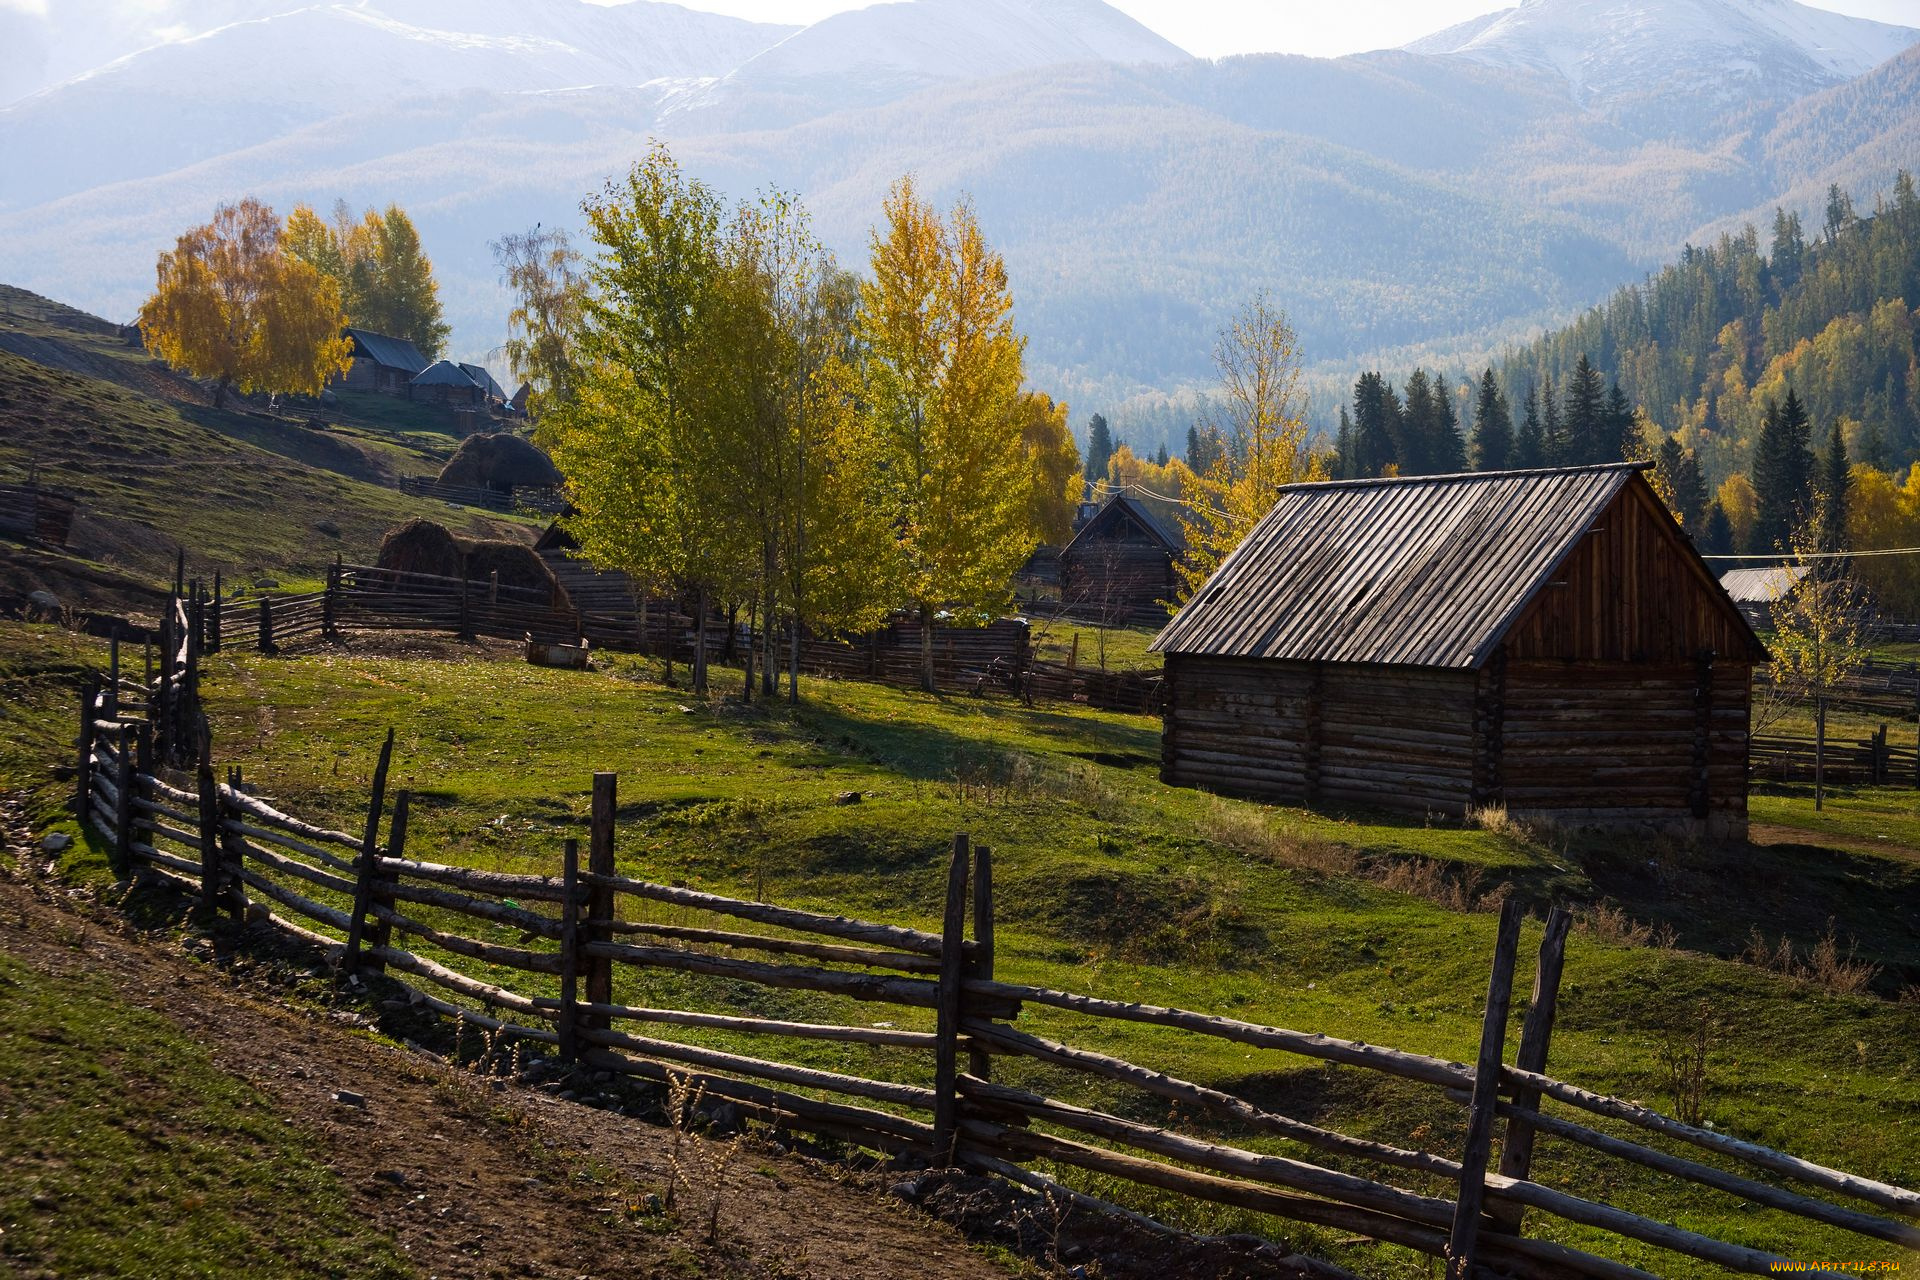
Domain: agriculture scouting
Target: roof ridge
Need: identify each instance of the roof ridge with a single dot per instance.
(1462, 476)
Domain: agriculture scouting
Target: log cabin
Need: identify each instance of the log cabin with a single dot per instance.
(1548, 642)
(382, 363)
(1120, 565)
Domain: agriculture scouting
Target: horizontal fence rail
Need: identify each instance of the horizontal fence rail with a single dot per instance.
(595, 964)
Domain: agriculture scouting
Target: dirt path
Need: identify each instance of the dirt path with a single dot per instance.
(477, 1177)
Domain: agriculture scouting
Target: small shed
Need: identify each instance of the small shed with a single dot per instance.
(1548, 641)
(382, 363)
(1120, 565)
(1756, 590)
(444, 382)
(489, 386)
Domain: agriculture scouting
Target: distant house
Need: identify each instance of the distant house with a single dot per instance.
(1755, 590)
(494, 393)
(445, 382)
(380, 363)
(1120, 565)
(1544, 641)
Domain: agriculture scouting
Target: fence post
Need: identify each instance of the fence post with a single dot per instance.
(369, 858)
(215, 610)
(381, 892)
(123, 810)
(113, 674)
(600, 896)
(161, 711)
(266, 625)
(569, 952)
(946, 1053)
(1819, 752)
(83, 777)
(1462, 1242)
(466, 607)
(328, 622)
(1536, 1034)
(209, 825)
(979, 1062)
(232, 853)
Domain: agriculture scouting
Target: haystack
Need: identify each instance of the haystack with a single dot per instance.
(518, 565)
(501, 461)
(421, 546)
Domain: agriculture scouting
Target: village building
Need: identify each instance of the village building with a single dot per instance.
(1120, 566)
(444, 382)
(1756, 590)
(1544, 641)
(381, 363)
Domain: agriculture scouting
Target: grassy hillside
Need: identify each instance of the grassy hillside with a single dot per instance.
(1110, 882)
(155, 467)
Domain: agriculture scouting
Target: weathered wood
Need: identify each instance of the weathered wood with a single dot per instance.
(366, 864)
(757, 1026)
(980, 963)
(1463, 1239)
(270, 835)
(946, 1054)
(885, 989)
(453, 980)
(232, 848)
(1174, 1089)
(288, 898)
(447, 1008)
(89, 713)
(274, 818)
(209, 825)
(759, 1068)
(1523, 1259)
(389, 881)
(567, 1021)
(386, 881)
(891, 936)
(492, 953)
(1536, 1036)
(900, 961)
(502, 883)
(1395, 1062)
(600, 867)
(123, 804)
(1898, 1199)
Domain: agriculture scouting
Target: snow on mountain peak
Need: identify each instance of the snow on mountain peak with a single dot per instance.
(1612, 51)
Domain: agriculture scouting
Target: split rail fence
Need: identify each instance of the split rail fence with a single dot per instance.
(996, 658)
(609, 970)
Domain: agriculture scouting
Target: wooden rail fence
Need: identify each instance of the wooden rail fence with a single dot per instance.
(567, 960)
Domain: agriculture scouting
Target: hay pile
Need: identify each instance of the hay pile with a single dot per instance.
(500, 461)
(421, 546)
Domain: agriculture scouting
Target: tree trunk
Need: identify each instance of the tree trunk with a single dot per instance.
(746, 687)
(700, 645)
(220, 393)
(926, 649)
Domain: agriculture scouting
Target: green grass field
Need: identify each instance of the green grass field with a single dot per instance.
(1109, 882)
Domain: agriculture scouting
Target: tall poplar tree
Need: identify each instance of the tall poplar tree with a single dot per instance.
(944, 374)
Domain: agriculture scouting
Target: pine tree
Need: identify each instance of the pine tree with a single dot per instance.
(1205, 447)
(1160, 459)
(1690, 491)
(1556, 448)
(1492, 427)
(1840, 213)
(1782, 473)
(1835, 480)
(1419, 427)
(1788, 255)
(1099, 449)
(1530, 442)
(1343, 468)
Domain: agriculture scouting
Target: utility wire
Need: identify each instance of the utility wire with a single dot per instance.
(1785, 558)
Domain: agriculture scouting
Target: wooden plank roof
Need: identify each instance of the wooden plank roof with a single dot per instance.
(393, 353)
(1426, 571)
(1124, 504)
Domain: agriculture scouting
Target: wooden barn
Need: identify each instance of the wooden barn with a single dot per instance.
(1120, 565)
(1547, 641)
(381, 363)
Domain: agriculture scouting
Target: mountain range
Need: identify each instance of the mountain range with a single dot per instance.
(1448, 196)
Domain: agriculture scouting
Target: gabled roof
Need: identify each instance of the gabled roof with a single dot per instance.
(484, 380)
(1761, 586)
(393, 353)
(1124, 504)
(445, 373)
(1427, 571)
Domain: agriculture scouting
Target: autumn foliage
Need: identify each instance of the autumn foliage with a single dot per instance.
(232, 306)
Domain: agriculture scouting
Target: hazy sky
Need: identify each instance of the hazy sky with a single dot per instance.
(1215, 28)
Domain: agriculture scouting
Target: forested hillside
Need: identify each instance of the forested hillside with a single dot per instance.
(1705, 344)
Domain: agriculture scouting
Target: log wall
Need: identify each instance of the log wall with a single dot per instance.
(1117, 578)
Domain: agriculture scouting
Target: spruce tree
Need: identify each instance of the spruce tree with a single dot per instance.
(1619, 428)
(1373, 432)
(1690, 491)
(1834, 482)
(1448, 451)
(1716, 532)
(1493, 444)
(1586, 423)
(1160, 458)
(1530, 442)
(1343, 468)
(1782, 473)
(1556, 450)
(1099, 449)
(1420, 426)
